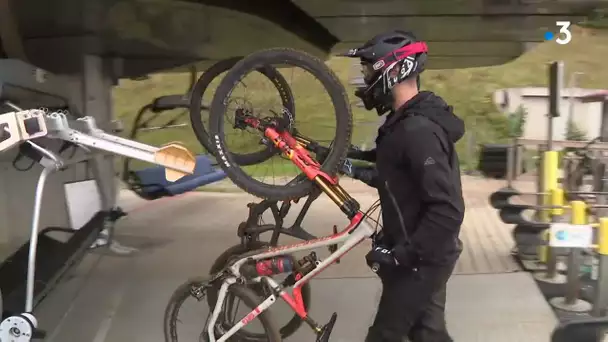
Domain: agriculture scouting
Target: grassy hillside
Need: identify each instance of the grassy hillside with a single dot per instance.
(468, 90)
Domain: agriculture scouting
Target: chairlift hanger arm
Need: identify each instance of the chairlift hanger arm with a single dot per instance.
(31, 124)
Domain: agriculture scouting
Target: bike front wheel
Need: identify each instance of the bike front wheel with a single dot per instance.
(340, 136)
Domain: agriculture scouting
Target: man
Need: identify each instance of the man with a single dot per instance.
(418, 179)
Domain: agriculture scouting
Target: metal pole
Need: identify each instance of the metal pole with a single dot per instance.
(510, 162)
(604, 124)
(556, 75)
(550, 275)
(550, 133)
(573, 283)
(572, 97)
(570, 302)
(600, 302)
(519, 159)
(540, 181)
(33, 246)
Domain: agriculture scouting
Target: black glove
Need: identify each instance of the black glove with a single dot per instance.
(381, 260)
(405, 256)
(322, 152)
(366, 174)
(347, 168)
(355, 152)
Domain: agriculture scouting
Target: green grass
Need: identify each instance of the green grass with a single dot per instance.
(468, 90)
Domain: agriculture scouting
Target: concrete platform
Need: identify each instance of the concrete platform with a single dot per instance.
(116, 299)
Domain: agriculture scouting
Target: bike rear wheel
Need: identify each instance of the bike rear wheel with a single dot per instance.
(301, 186)
(197, 115)
(235, 291)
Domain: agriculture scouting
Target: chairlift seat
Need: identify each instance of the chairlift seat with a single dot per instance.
(150, 183)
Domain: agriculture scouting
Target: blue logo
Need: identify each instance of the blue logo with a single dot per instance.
(560, 235)
(564, 36)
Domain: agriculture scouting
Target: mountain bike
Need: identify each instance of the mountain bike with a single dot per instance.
(242, 277)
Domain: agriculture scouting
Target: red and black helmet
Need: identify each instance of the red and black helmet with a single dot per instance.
(386, 60)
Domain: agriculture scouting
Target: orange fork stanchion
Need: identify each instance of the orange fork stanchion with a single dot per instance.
(576, 236)
(600, 302)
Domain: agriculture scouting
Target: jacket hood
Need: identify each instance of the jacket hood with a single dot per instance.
(434, 108)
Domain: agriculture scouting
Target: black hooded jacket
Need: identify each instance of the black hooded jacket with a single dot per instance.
(418, 179)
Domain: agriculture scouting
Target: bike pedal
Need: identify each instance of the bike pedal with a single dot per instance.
(39, 334)
(323, 335)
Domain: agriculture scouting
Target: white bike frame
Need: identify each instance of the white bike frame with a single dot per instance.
(357, 231)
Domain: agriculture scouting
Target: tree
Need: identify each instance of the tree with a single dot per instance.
(574, 132)
(517, 122)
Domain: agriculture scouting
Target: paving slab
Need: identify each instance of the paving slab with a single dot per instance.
(116, 299)
(480, 308)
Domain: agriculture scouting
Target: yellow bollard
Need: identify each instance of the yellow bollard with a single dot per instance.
(579, 212)
(602, 237)
(550, 168)
(557, 200)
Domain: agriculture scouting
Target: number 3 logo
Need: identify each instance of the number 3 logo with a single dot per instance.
(565, 36)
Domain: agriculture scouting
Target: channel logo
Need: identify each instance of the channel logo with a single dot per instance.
(563, 36)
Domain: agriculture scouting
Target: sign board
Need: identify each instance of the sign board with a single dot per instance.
(83, 200)
(570, 235)
(556, 76)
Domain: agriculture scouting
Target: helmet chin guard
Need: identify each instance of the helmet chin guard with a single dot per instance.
(378, 94)
(387, 60)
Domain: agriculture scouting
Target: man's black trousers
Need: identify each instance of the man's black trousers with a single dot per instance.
(412, 305)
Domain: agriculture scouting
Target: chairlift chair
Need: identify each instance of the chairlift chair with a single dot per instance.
(150, 183)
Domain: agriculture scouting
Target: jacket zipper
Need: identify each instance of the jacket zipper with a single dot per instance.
(396, 205)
